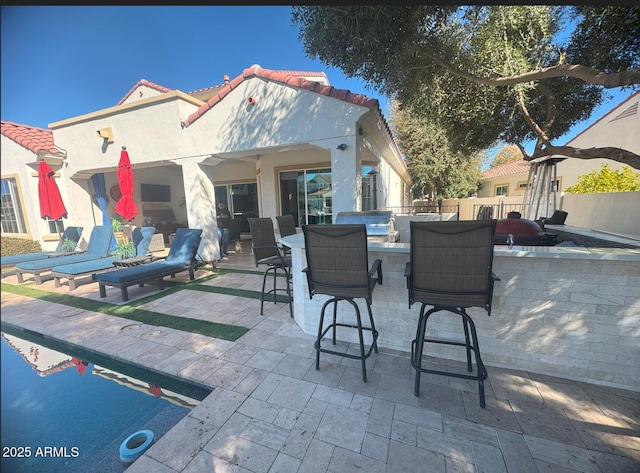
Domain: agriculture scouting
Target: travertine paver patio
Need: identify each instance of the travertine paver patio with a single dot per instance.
(271, 411)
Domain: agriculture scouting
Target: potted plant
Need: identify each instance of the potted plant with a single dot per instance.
(124, 249)
(116, 224)
(68, 245)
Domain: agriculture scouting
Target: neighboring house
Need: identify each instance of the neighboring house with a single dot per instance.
(266, 143)
(505, 180)
(619, 128)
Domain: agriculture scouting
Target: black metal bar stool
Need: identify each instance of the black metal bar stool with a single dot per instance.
(267, 252)
(451, 270)
(337, 265)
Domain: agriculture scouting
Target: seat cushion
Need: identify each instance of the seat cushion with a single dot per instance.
(84, 267)
(142, 272)
(44, 264)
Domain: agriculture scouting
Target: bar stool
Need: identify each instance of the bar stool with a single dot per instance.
(337, 265)
(451, 270)
(267, 252)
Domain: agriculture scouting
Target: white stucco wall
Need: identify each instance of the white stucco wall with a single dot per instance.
(611, 130)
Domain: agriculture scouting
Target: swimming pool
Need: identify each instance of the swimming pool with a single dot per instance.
(65, 409)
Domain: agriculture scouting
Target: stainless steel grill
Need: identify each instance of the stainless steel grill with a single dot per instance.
(380, 224)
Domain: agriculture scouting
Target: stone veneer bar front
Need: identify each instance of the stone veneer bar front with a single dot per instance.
(571, 312)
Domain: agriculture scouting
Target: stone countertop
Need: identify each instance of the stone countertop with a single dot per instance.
(555, 252)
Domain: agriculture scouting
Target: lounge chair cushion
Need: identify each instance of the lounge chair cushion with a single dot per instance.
(84, 267)
(181, 257)
(141, 238)
(98, 247)
(140, 273)
(71, 233)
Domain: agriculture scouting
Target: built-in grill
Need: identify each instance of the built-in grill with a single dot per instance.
(380, 224)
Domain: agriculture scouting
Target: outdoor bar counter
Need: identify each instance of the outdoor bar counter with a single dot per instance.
(571, 312)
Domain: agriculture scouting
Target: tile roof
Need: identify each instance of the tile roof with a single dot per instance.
(32, 138)
(293, 78)
(514, 167)
(151, 85)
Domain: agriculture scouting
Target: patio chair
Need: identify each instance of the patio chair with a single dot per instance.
(141, 239)
(338, 266)
(451, 270)
(98, 247)
(286, 227)
(70, 233)
(181, 257)
(266, 252)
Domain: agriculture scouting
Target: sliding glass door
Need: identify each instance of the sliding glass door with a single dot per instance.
(306, 194)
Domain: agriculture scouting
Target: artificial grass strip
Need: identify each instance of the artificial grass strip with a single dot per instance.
(202, 327)
(238, 292)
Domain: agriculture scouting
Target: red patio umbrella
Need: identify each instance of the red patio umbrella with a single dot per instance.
(81, 365)
(126, 205)
(51, 205)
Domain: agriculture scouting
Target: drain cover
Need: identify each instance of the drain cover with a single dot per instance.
(131, 327)
(153, 333)
(72, 312)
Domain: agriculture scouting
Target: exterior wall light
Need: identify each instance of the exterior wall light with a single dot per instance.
(342, 147)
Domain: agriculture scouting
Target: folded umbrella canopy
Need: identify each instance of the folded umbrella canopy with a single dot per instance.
(51, 205)
(126, 206)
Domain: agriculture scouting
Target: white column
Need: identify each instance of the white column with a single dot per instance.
(346, 181)
(200, 202)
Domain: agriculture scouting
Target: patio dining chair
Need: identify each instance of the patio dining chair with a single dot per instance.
(451, 271)
(266, 252)
(286, 227)
(338, 266)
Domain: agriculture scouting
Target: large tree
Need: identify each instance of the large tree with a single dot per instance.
(486, 74)
(436, 170)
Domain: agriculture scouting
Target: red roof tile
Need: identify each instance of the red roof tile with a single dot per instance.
(514, 167)
(151, 85)
(32, 138)
(293, 78)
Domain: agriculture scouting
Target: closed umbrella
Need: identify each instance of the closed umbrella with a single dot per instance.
(51, 205)
(126, 205)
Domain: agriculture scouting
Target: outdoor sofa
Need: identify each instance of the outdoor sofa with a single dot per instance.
(98, 247)
(181, 257)
(141, 239)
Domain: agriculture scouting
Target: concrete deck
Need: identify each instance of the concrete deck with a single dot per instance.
(271, 411)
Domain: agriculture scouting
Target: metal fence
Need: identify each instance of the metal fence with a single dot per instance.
(425, 209)
(497, 211)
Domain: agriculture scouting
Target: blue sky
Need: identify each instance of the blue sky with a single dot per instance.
(59, 62)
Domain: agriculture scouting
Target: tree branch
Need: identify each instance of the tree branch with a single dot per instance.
(608, 80)
(616, 154)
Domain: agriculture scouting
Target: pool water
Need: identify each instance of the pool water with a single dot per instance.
(62, 412)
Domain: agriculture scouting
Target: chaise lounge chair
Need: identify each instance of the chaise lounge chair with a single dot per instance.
(141, 239)
(70, 233)
(181, 257)
(98, 247)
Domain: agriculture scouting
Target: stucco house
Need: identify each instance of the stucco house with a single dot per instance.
(619, 128)
(266, 143)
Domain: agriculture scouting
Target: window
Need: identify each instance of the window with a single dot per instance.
(367, 187)
(306, 194)
(502, 190)
(13, 220)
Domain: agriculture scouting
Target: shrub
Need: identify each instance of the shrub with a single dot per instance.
(606, 180)
(18, 246)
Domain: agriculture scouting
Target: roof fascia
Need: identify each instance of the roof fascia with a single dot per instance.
(166, 97)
